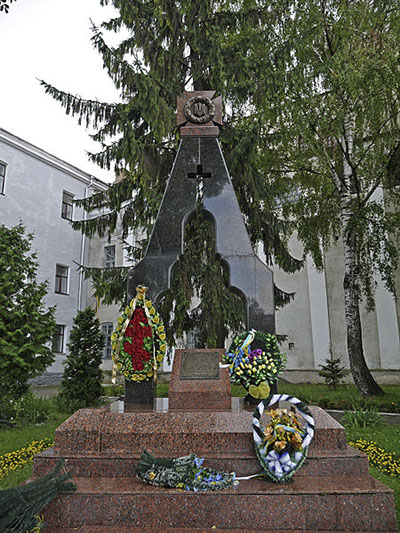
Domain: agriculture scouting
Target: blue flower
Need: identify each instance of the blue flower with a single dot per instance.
(198, 461)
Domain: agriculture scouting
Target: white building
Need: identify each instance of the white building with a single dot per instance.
(37, 188)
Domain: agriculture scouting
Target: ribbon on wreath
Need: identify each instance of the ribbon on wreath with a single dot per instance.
(280, 464)
(140, 295)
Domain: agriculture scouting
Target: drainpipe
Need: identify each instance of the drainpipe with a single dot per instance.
(83, 247)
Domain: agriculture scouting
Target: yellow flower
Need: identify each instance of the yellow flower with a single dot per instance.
(119, 366)
(148, 303)
(135, 377)
(160, 357)
(152, 475)
(120, 320)
(156, 319)
(152, 310)
(119, 327)
(142, 377)
(163, 347)
(162, 336)
(279, 445)
(114, 336)
(161, 329)
(149, 374)
(126, 373)
(126, 310)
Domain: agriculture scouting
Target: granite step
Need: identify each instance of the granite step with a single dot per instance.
(347, 462)
(307, 503)
(177, 433)
(113, 529)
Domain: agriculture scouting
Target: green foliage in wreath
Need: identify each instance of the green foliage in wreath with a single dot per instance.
(139, 341)
(257, 368)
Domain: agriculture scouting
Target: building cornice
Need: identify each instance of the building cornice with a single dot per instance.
(49, 159)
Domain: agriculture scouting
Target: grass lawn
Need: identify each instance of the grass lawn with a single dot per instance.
(388, 437)
(12, 439)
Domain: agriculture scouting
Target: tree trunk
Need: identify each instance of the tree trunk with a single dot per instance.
(359, 369)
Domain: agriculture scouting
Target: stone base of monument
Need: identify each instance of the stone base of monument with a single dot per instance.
(197, 382)
(332, 492)
(139, 393)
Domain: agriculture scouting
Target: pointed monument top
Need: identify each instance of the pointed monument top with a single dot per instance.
(199, 114)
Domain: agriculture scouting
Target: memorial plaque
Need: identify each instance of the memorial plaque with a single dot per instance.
(200, 365)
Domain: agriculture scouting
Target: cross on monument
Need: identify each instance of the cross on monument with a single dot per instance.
(198, 176)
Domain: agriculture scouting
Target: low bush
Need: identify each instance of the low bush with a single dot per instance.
(360, 418)
(113, 390)
(33, 409)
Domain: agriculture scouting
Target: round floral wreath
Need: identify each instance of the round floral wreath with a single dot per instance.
(282, 446)
(255, 369)
(138, 343)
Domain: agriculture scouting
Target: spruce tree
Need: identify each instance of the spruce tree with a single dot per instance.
(172, 47)
(4, 5)
(26, 325)
(332, 371)
(20, 506)
(82, 378)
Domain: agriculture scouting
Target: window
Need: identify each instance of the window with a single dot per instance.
(67, 205)
(58, 339)
(109, 256)
(2, 177)
(61, 279)
(107, 329)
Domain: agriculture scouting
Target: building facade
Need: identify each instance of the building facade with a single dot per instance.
(37, 189)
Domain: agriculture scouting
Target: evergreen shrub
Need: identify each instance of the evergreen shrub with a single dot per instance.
(81, 384)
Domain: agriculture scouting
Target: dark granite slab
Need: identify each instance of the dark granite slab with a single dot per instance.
(249, 276)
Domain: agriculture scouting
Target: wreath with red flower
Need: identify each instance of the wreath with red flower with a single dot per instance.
(138, 343)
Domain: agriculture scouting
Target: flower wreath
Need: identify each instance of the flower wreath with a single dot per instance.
(255, 369)
(282, 446)
(187, 473)
(138, 343)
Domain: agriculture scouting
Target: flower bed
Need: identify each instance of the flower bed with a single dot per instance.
(385, 461)
(18, 459)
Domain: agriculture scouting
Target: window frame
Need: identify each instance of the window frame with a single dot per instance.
(59, 338)
(65, 206)
(109, 247)
(3, 177)
(107, 328)
(59, 280)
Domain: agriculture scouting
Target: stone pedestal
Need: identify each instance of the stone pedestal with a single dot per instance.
(139, 393)
(332, 492)
(198, 383)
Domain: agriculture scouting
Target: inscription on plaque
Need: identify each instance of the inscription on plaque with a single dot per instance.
(200, 365)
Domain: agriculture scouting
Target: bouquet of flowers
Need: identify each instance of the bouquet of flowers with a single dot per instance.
(185, 473)
(256, 368)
